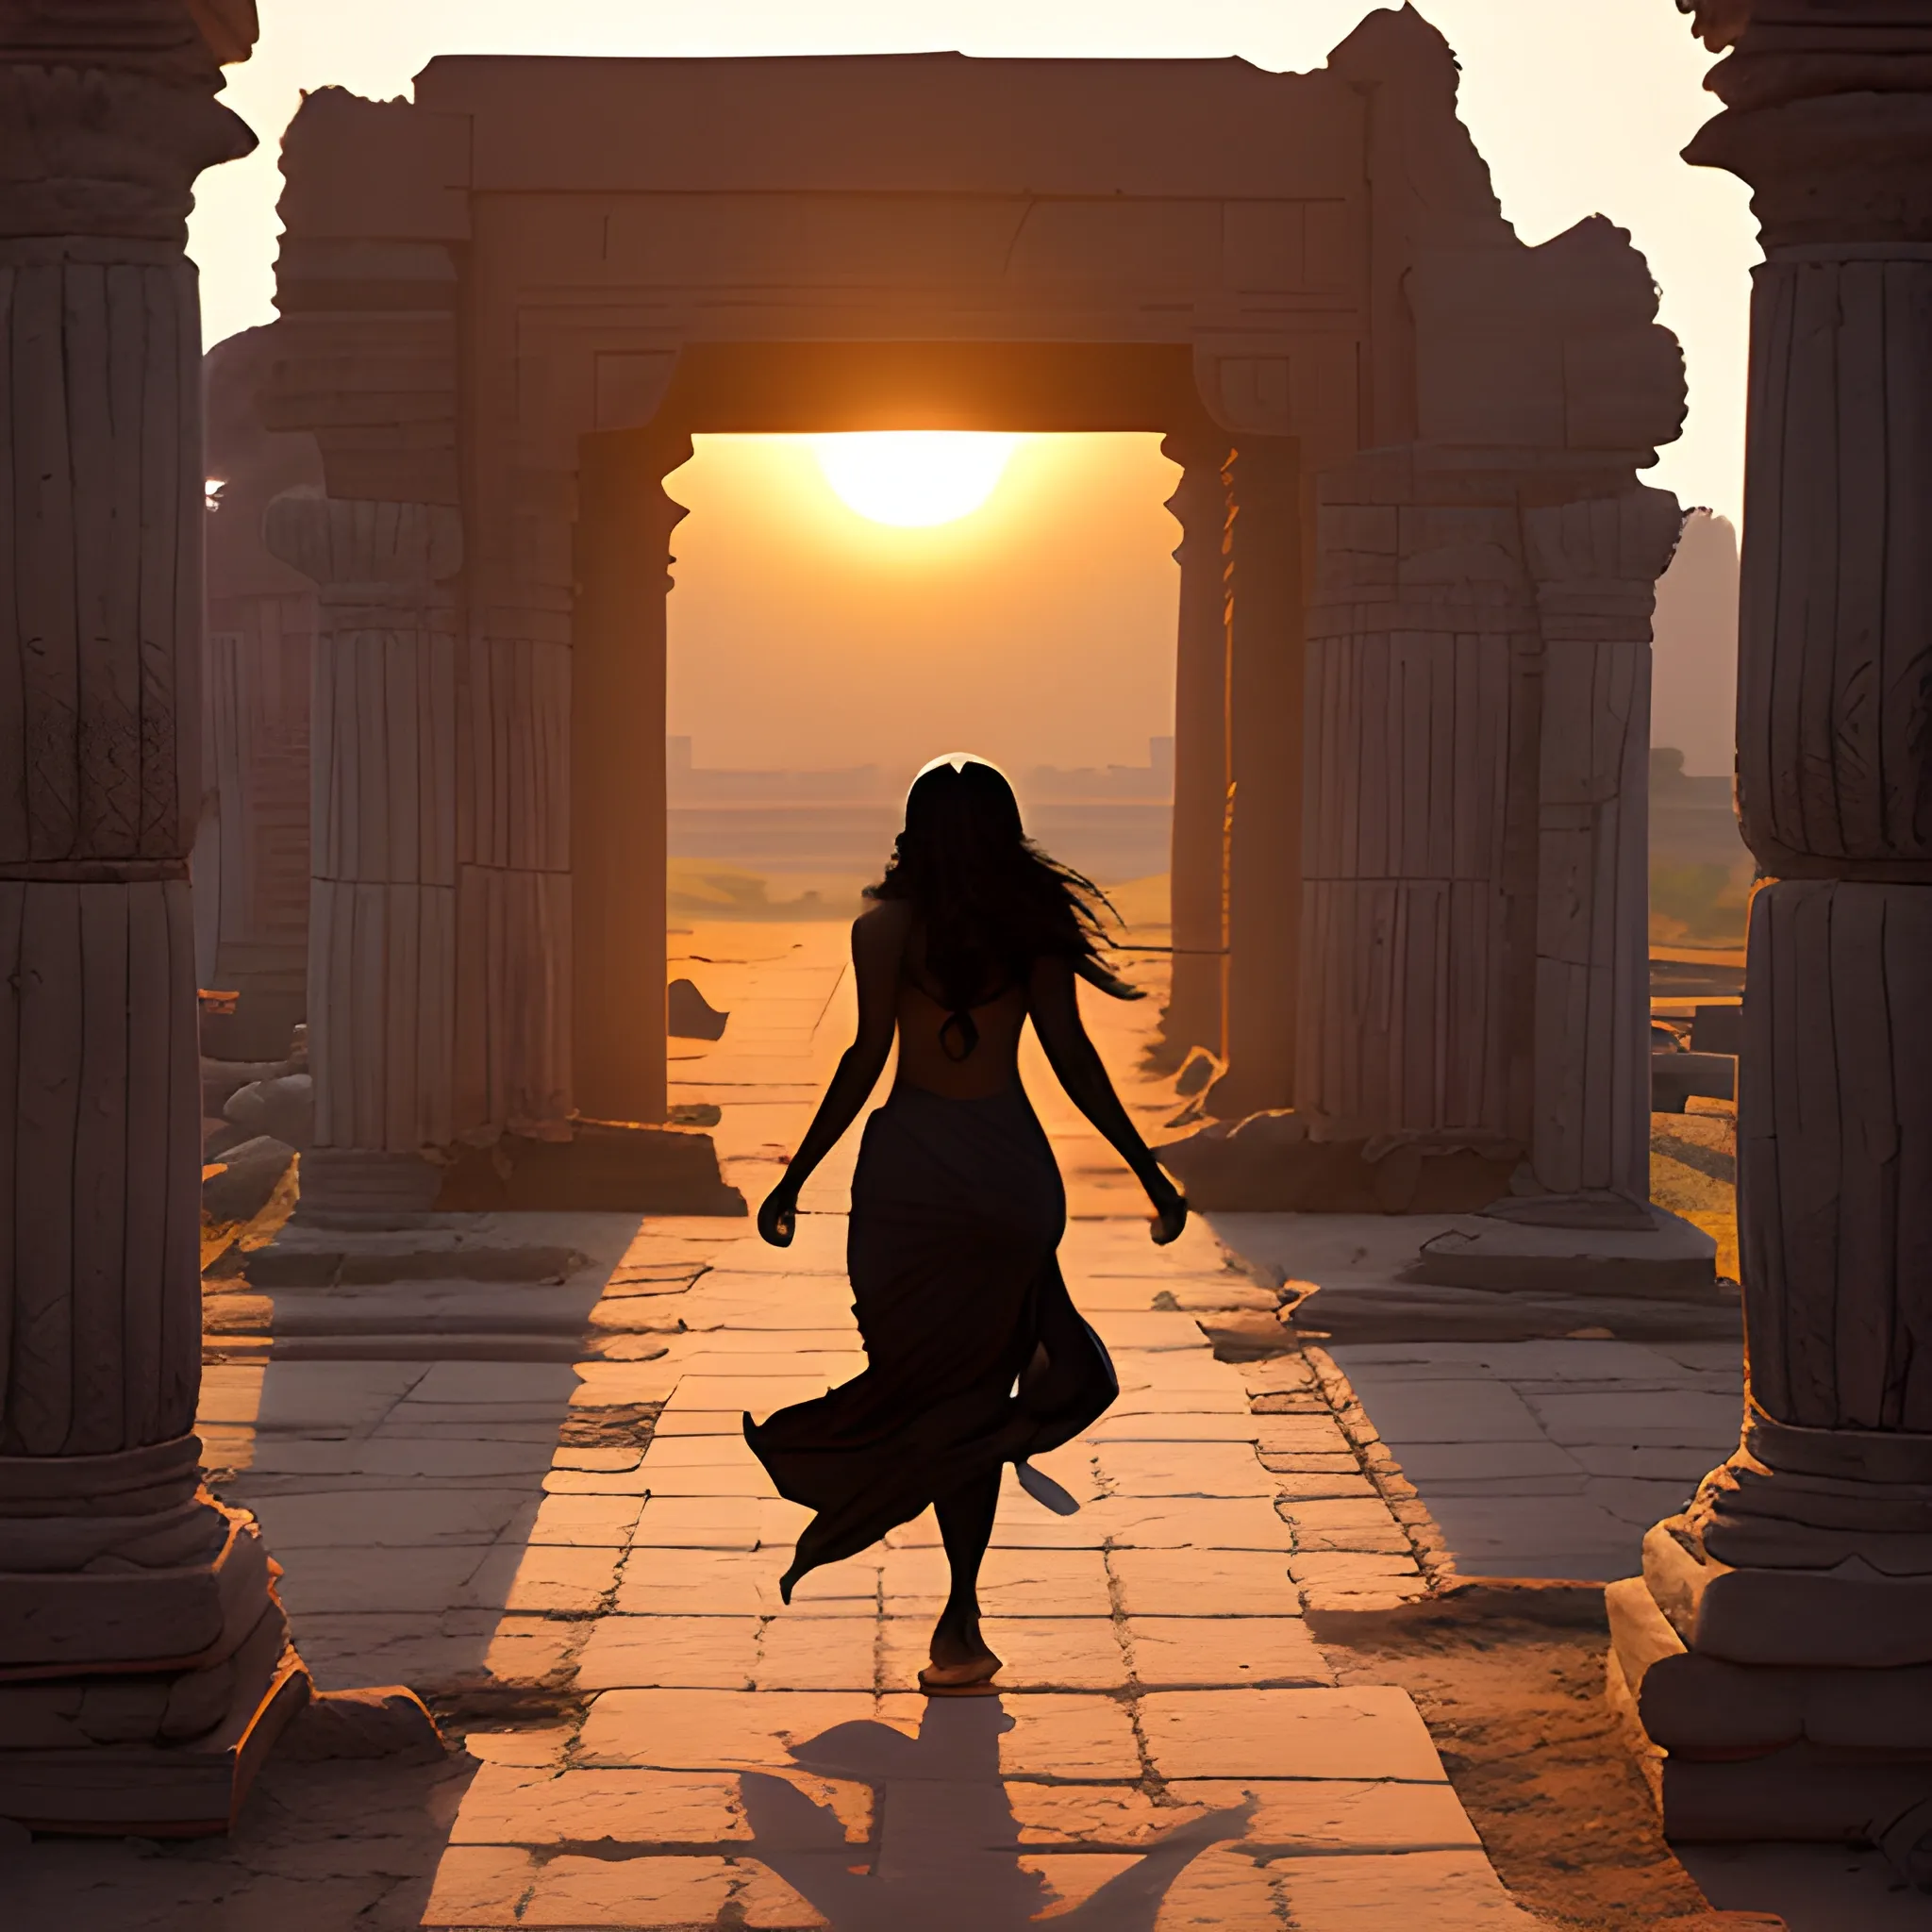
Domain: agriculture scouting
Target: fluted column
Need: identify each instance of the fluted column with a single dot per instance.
(1197, 873)
(382, 920)
(1476, 953)
(1475, 946)
(1425, 696)
(1596, 566)
(135, 1612)
(1780, 1640)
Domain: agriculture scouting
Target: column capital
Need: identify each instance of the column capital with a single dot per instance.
(360, 551)
(1595, 563)
(1828, 116)
(108, 113)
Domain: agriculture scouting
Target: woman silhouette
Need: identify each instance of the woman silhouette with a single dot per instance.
(976, 1356)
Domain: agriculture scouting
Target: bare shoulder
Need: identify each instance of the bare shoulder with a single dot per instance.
(879, 932)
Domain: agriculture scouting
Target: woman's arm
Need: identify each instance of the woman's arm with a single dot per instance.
(878, 942)
(1055, 1010)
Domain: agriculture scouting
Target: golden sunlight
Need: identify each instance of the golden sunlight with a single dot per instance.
(914, 477)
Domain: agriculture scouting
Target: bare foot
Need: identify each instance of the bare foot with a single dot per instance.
(956, 1643)
(962, 1666)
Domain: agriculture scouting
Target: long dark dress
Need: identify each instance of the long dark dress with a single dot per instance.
(976, 1354)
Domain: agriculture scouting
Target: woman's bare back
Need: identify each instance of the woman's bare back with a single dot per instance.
(936, 1051)
(893, 1001)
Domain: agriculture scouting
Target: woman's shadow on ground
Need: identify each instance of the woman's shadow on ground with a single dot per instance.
(947, 1845)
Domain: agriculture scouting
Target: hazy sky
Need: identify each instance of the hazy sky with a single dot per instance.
(1039, 630)
(1580, 107)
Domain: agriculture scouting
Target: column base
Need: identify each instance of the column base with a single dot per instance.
(355, 1187)
(136, 1753)
(1803, 1795)
(144, 1661)
(1270, 1162)
(605, 1166)
(1642, 1253)
(1777, 1648)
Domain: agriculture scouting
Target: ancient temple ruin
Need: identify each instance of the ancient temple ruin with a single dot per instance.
(1417, 564)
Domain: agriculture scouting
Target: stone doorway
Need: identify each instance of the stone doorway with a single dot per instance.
(1417, 564)
(1243, 661)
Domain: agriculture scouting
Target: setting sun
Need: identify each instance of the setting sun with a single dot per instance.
(914, 477)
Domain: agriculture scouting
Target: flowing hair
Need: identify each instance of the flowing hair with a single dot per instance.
(991, 901)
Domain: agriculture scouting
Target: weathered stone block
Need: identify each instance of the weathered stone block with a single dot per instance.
(1801, 1792)
(132, 1775)
(388, 1721)
(54, 1622)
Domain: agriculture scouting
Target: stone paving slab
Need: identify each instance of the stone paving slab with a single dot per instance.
(1550, 1457)
(1202, 1653)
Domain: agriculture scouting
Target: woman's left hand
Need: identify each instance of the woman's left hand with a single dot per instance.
(778, 1217)
(1169, 1209)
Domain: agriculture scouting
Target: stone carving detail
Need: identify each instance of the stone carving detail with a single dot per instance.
(106, 116)
(1778, 1637)
(102, 355)
(134, 1611)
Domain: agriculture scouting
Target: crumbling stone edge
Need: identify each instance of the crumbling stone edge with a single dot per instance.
(1425, 1537)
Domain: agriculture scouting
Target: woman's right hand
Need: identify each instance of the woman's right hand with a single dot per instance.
(778, 1217)
(1169, 1209)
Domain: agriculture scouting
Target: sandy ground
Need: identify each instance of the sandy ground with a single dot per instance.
(1541, 1764)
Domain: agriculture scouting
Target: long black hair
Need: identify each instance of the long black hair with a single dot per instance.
(991, 901)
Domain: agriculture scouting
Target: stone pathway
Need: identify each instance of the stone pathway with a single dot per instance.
(1537, 1454)
(1550, 1458)
(1169, 1748)
(507, 1471)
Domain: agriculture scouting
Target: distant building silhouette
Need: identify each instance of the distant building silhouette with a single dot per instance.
(687, 783)
(1153, 781)
(1694, 675)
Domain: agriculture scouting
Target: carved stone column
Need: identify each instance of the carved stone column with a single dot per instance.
(1475, 956)
(1198, 996)
(382, 922)
(1780, 1639)
(1596, 566)
(1425, 695)
(143, 1659)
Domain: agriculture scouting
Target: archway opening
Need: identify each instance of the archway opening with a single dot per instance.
(847, 606)
(828, 632)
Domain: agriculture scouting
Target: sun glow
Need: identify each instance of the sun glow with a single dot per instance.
(914, 477)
